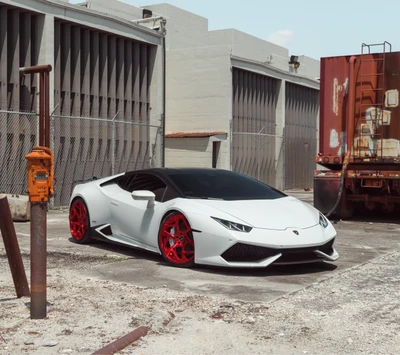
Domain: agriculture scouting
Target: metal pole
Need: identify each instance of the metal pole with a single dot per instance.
(46, 109)
(12, 249)
(113, 144)
(52, 139)
(259, 156)
(44, 100)
(164, 79)
(38, 259)
(41, 110)
(39, 209)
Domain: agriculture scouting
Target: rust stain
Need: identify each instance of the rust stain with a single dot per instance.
(376, 91)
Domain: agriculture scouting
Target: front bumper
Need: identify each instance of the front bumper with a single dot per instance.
(261, 247)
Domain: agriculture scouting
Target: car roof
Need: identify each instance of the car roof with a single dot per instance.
(169, 171)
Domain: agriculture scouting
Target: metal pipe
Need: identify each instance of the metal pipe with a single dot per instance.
(44, 100)
(36, 69)
(123, 342)
(350, 106)
(41, 109)
(12, 249)
(47, 109)
(164, 78)
(38, 259)
(113, 143)
(149, 19)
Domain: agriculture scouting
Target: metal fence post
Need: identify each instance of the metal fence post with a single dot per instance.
(113, 141)
(113, 147)
(259, 156)
(52, 144)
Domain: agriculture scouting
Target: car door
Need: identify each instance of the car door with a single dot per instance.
(131, 218)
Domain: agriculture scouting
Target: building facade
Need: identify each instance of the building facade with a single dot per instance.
(228, 100)
(106, 90)
(263, 108)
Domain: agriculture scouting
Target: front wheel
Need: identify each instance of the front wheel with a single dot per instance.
(175, 240)
(79, 223)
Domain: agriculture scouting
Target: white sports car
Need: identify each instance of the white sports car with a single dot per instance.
(202, 216)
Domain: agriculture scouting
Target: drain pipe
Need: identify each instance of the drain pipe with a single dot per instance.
(350, 131)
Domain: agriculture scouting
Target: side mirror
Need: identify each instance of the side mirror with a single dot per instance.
(144, 195)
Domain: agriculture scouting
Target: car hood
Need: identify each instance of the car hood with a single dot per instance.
(278, 214)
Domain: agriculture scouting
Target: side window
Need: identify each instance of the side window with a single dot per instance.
(126, 182)
(149, 182)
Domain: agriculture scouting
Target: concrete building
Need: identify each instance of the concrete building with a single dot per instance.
(106, 89)
(231, 100)
(235, 102)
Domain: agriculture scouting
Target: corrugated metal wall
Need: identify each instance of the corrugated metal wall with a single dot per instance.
(301, 117)
(18, 48)
(99, 74)
(18, 130)
(254, 107)
(96, 75)
(105, 77)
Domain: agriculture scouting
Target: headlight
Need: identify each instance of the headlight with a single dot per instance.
(322, 220)
(233, 225)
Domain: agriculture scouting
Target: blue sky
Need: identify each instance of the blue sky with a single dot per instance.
(317, 28)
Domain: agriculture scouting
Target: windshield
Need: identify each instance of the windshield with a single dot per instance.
(223, 184)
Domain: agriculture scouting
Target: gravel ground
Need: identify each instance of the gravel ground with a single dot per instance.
(354, 312)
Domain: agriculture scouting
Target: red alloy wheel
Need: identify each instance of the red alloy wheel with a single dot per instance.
(78, 220)
(176, 240)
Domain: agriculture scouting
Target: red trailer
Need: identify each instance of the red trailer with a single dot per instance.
(359, 159)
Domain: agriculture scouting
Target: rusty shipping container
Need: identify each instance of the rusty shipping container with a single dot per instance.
(359, 132)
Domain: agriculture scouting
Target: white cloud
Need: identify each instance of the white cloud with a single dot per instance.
(282, 37)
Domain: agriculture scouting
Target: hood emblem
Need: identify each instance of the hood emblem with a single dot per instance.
(296, 232)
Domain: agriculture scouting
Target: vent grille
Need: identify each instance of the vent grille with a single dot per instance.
(241, 252)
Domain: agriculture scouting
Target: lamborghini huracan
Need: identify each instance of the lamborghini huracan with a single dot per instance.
(201, 216)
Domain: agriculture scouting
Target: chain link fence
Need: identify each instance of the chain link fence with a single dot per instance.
(18, 135)
(83, 148)
(258, 155)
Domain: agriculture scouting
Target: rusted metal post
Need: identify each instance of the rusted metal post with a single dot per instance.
(44, 100)
(47, 109)
(39, 209)
(41, 110)
(12, 249)
(123, 342)
(38, 259)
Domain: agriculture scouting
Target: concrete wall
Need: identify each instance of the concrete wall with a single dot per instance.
(246, 46)
(309, 67)
(199, 89)
(116, 8)
(199, 84)
(184, 29)
(199, 94)
(252, 48)
(195, 152)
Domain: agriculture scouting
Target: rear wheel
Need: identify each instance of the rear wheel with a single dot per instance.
(79, 223)
(176, 241)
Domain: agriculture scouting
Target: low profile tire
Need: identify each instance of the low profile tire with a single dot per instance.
(79, 222)
(175, 240)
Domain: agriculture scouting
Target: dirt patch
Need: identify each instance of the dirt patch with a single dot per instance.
(356, 312)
